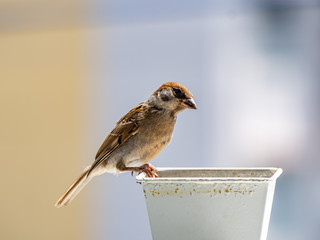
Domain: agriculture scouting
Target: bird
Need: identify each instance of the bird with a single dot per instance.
(138, 137)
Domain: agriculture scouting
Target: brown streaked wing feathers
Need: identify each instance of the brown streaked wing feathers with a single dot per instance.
(126, 127)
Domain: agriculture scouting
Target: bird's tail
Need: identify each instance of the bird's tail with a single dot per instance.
(74, 189)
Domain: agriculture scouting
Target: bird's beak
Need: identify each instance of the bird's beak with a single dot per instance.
(190, 103)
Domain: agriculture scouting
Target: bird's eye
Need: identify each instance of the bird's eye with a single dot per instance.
(178, 92)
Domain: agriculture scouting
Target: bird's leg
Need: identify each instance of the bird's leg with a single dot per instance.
(147, 168)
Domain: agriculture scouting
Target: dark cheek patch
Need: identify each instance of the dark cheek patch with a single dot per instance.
(165, 98)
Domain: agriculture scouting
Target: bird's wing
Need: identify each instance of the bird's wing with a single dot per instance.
(126, 127)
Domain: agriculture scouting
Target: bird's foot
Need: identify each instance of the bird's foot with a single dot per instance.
(149, 170)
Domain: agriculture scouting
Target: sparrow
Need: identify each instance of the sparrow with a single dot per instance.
(138, 137)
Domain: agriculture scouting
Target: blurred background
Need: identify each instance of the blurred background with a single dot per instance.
(70, 69)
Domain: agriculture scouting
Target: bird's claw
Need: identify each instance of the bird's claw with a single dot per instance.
(149, 170)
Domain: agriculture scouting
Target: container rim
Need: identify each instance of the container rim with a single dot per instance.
(275, 173)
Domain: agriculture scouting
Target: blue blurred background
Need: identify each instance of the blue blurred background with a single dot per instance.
(253, 67)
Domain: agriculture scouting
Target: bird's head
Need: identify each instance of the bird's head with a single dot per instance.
(174, 97)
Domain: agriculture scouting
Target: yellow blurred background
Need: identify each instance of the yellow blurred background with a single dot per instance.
(43, 100)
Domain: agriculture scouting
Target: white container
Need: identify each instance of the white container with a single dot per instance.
(211, 203)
